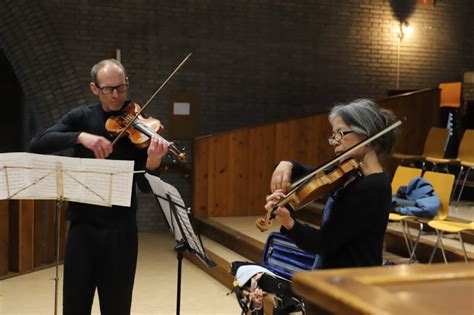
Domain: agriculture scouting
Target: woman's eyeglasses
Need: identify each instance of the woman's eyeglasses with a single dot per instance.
(337, 136)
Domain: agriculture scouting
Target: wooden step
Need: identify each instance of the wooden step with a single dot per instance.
(240, 234)
(222, 256)
(225, 243)
(238, 241)
(395, 242)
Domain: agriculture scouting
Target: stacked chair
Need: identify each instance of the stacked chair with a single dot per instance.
(450, 102)
(464, 160)
(434, 147)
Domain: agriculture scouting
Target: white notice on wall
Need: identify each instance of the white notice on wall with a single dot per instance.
(180, 108)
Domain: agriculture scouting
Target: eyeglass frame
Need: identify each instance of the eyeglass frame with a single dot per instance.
(337, 136)
(114, 88)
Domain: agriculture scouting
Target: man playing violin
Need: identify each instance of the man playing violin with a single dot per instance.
(102, 244)
(355, 216)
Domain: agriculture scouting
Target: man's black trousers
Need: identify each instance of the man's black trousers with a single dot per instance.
(102, 257)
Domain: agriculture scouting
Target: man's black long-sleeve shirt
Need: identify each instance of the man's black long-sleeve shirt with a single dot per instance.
(353, 235)
(63, 135)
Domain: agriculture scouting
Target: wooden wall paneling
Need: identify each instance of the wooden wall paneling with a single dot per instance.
(44, 231)
(13, 248)
(221, 174)
(304, 139)
(211, 171)
(218, 182)
(4, 231)
(282, 141)
(251, 168)
(201, 176)
(323, 152)
(419, 111)
(21, 215)
(229, 175)
(40, 243)
(269, 163)
(261, 167)
(64, 228)
(237, 164)
(292, 140)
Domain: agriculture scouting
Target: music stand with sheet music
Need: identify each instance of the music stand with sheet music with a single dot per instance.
(50, 177)
(181, 223)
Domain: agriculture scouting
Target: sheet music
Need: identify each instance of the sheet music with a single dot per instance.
(46, 188)
(188, 230)
(93, 181)
(119, 175)
(183, 215)
(158, 187)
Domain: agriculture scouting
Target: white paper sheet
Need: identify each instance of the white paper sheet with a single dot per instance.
(93, 181)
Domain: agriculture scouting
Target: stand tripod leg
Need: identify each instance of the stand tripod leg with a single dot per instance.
(180, 248)
(178, 290)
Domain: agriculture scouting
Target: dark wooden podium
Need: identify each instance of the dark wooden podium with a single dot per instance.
(404, 289)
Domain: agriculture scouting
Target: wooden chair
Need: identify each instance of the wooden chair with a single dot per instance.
(465, 160)
(445, 226)
(434, 146)
(402, 177)
(450, 94)
(450, 102)
(442, 185)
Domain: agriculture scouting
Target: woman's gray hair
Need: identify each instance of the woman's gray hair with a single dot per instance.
(365, 117)
(95, 69)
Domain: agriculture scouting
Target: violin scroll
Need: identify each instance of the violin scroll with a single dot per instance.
(264, 223)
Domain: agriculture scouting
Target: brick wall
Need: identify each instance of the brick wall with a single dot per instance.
(252, 62)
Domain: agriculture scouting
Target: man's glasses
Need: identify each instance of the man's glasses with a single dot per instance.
(337, 136)
(110, 89)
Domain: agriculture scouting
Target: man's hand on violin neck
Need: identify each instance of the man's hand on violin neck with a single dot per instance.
(101, 147)
(156, 150)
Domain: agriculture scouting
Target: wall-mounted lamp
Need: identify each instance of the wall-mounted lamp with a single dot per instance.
(404, 30)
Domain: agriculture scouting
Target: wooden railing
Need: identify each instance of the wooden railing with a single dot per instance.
(438, 288)
(232, 170)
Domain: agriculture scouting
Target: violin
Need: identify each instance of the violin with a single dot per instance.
(139, 129)
(129, 122)
(318, 184)
(317, 187)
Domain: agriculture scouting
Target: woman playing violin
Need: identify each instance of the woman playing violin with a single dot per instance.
(102, 243)
(355, 216)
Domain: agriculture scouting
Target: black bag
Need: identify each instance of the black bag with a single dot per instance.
(282, 257)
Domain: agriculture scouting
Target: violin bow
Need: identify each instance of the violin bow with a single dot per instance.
(151, 98)
(294, 186)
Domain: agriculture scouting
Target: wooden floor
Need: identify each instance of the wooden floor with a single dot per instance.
(154, 291)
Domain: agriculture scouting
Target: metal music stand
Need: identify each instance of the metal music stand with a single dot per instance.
(181, 223)
(33, 176)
